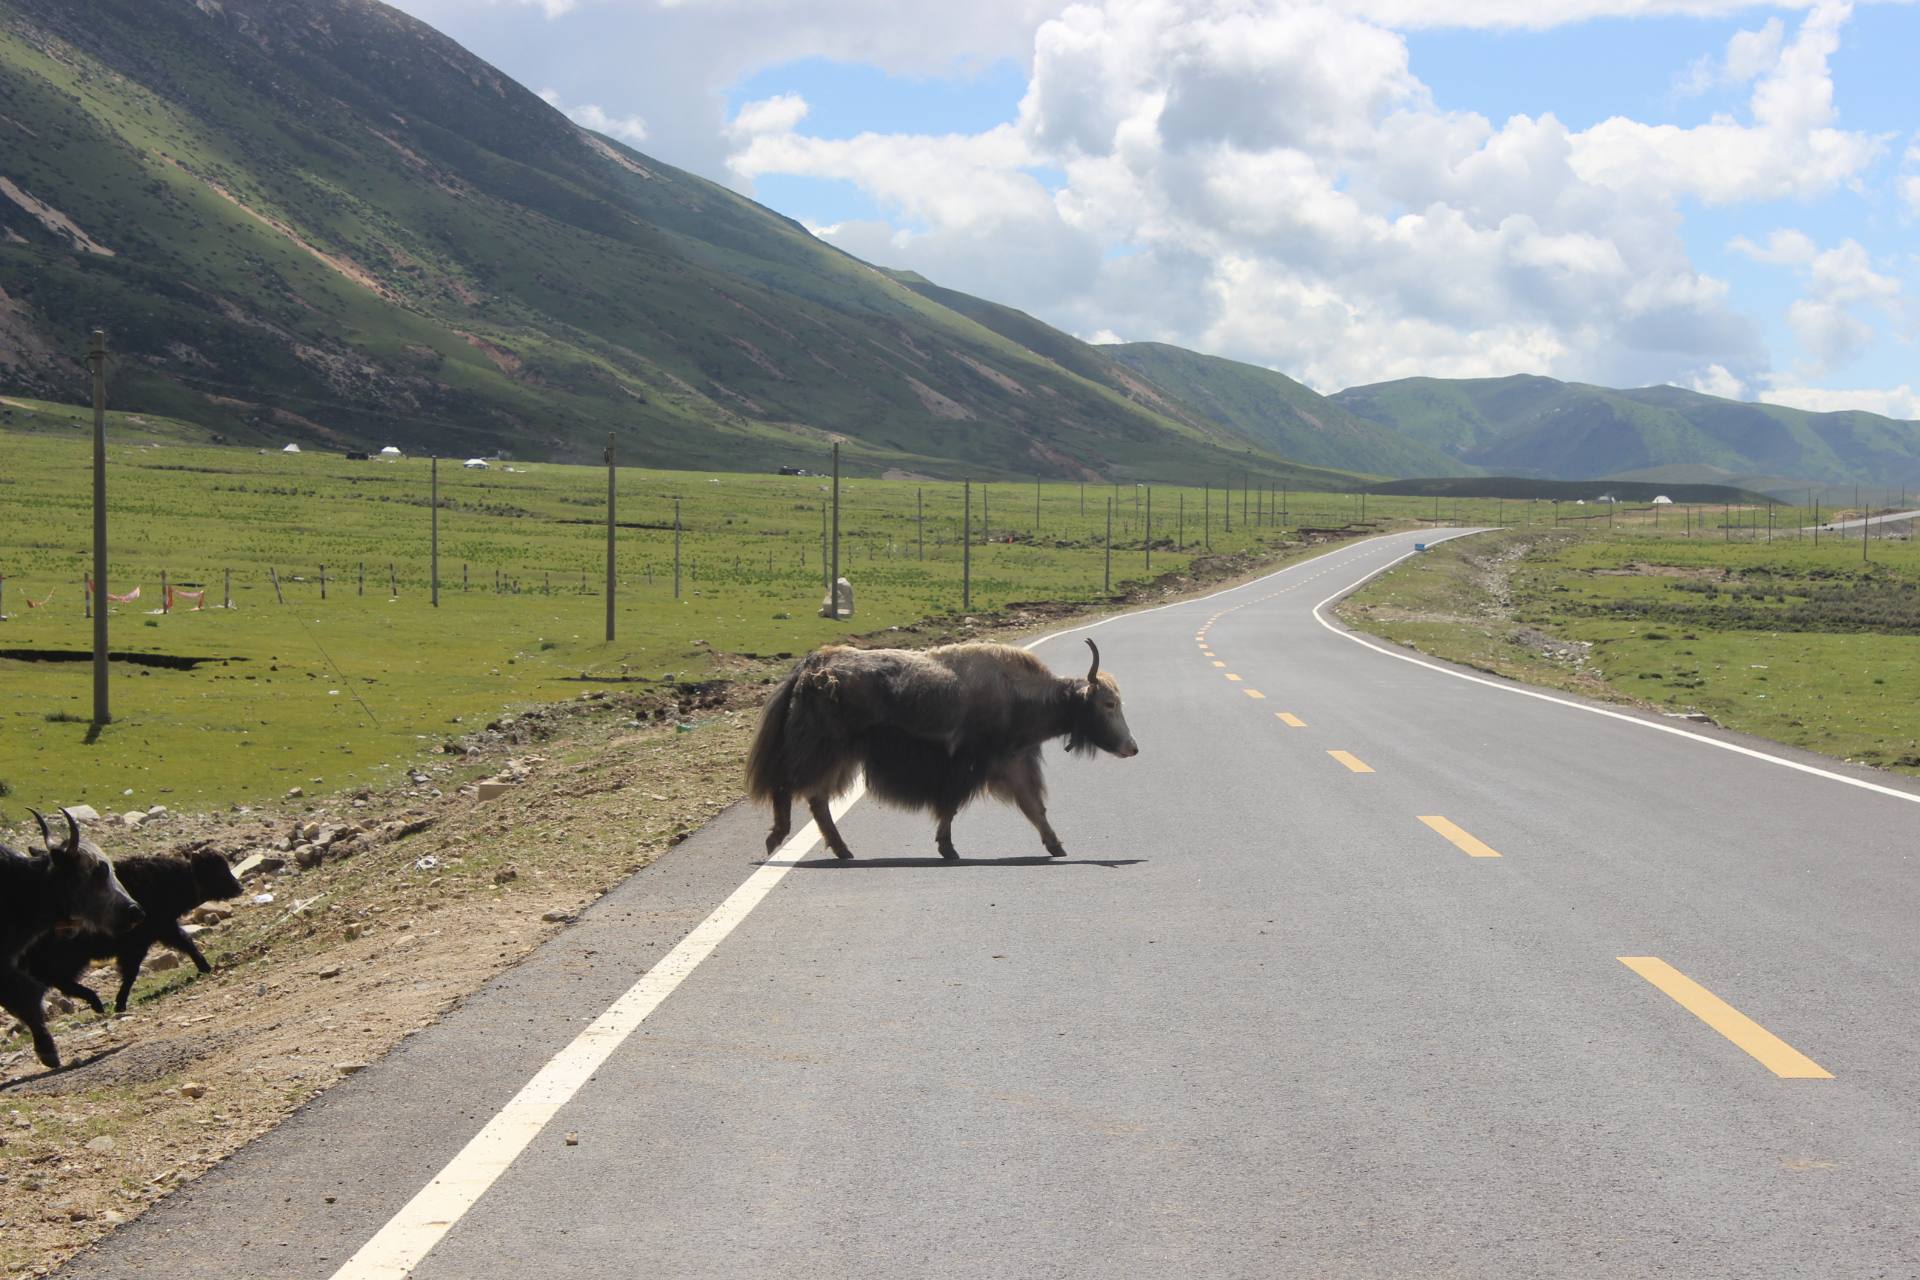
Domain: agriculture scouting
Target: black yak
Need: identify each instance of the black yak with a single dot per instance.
(166, 887)
(69, 888)
(931, 730)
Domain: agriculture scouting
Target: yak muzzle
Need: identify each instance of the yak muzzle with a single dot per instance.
(1129, 751)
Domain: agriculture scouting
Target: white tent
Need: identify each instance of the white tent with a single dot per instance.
(389, 452)
(292, 448)
(475, 464)
(1663, 501)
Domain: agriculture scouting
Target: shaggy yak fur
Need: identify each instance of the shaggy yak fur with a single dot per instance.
(931, 730)
(66, 889)
(166, 887)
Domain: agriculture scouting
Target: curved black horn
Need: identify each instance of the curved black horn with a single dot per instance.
(1093, 672)
(73, 831)
(45, 835)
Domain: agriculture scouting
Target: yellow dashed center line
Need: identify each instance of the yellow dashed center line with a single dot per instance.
(1352, 761)
(1230, 675)
(1467, 844)
(1253, 693)
(1218, 663)
(1773, 1053)
(1289, 719)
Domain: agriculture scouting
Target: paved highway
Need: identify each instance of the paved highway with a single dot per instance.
(1362, 968)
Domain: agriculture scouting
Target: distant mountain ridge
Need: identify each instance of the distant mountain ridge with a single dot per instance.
(1527, 425)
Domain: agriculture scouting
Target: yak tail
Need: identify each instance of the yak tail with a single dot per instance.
(767, 758)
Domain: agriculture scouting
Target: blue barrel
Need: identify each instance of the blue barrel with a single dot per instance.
(1419, 546)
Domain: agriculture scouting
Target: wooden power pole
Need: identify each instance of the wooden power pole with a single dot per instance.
(97, 358)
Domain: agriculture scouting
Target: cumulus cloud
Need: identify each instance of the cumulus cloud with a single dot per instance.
(629, 129)
(1287, 190)
(1839, 283)
(1715, 380)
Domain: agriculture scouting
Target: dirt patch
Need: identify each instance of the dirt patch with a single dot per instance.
(1641, 569)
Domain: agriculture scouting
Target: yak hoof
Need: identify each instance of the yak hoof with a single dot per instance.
(843, 853)
(950, 853)
(775, 838)
(48, 1055)
(1057, 851)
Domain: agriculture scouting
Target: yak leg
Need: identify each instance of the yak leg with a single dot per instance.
(20, 996)
(1020, 782)
(823, 818)
(944, 836)
(80, 991)
(782, 820)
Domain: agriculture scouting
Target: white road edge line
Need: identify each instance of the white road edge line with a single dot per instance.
(1523, 692)
(404, 1242)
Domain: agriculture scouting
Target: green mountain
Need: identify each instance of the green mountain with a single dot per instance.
(1274, 412)
(1532, 426)
(321, 220)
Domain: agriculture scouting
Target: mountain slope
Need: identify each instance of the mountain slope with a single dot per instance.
(322, 220)
(1534, 426)
(1274, 412)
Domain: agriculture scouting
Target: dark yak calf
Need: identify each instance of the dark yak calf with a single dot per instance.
(931, 731)
(69, 888)
(166, 887)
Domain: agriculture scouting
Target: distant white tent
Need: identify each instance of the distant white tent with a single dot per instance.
(390, 452)
(1663, 501)
(475, 464)
(1579, 502)
(292, 448)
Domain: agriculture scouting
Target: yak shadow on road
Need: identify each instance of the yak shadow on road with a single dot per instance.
(1025, 860)
(65, 1068)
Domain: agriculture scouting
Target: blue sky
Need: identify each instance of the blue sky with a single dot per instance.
(1614, 193)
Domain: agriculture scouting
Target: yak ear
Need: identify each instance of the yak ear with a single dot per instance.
(1093, 672)
(46, 836)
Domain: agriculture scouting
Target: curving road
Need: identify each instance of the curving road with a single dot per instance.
(1362, 968)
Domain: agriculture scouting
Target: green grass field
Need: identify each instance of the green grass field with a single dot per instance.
(1806, 644)
(324, 693)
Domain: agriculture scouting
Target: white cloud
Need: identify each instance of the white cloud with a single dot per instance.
(629, 129)
(1790, 149)
(1838, 283)
(1715, 380)
(1897, 402)
(781, 113)
(1748, 54)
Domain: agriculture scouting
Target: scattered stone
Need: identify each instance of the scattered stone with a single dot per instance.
(557, 916)
(493, 789)
(349, 1068)
(83, 813)
(572, 1139)
(100, 1144)
(134, 819)
(309, 855)
(294, 793)
(162, 962)
(157, 811)
(331, 971)
(193, 1090)
(505, 875)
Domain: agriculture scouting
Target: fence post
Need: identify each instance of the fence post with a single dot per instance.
(393, 580)
(323, 581)
(433, 501)
(275, 575)
(166, 599)
(833, 578)
(920, 520)
(226, 590)
(676, 548)
(1107, 581)
(1147, 542)
(966, 548)
(1180, 538)
(1206, 517)
(361, 588)
(86, 596)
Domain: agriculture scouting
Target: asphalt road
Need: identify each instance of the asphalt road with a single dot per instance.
(1264, 1021)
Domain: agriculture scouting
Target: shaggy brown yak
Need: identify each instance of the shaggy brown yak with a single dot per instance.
(931, 730)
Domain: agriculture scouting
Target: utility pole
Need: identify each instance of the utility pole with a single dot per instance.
(833, 584)
(1206, 517)
(610, 548)
(920, 520)
(676, 548)
(1036, 507)
(97, 357)
(433, 501)
(1226, 506)
(1180, 523)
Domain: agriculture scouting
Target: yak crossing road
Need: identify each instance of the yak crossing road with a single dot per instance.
(931, 729)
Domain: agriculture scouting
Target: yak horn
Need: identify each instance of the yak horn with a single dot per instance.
(45, 835)
(73, 831)
(1093, 672)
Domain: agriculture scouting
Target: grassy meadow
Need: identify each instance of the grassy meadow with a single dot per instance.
(1808, 644)
(321, 693)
